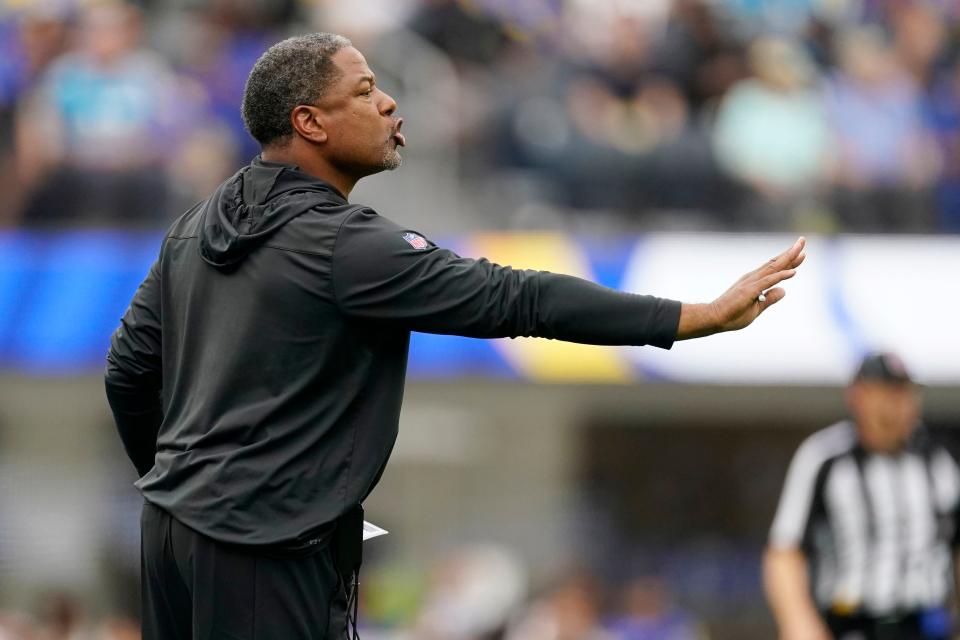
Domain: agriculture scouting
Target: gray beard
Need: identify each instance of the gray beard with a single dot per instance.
(391, 159)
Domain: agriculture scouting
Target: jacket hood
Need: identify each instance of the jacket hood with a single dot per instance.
(254, 204)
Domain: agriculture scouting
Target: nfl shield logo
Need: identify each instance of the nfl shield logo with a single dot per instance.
(415, 241)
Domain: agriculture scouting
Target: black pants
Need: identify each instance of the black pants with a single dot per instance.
(194, 587)
(860, 627)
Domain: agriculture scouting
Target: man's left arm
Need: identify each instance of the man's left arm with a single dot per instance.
(133, 377)
(383, 272)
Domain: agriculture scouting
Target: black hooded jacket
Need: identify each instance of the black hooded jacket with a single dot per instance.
(257, 376)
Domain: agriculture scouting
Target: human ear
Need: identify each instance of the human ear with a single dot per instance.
(307, 121)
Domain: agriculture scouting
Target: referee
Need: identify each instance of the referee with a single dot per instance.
(864, 539)
(256, 377)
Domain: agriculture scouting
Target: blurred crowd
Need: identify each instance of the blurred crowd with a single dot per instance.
(480, 594)
(819, 115)
(61, 616)
(474, 593)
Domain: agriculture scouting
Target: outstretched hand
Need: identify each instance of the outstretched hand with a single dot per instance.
(741, 303)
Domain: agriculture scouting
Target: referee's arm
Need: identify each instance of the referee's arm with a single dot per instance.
(787, 585)
(133, 377)
(785, 574)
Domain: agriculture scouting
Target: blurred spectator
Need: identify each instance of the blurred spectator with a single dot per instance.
(16, 626)
(569, 611)
(202, 161)
(943, 114)
(792, 16)
(364, 22)
(117, 629)
(472, 596)
(102, 119)
(886, 160)
(771, 134)
(696, 50)
(216, 45)
(28, 42)
(605, 131)
(919, 39)
(460, 29)
(596, 107)
(649, 613)
(922, 43)
(61, 617)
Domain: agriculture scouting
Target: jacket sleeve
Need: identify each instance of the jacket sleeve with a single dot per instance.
(133, 376)
(384, 272)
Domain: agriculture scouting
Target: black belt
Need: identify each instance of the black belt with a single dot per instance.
(910, 625)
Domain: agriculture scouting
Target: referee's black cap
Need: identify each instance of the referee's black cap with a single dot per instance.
(882, 366)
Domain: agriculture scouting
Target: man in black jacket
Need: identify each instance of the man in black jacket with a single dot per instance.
(257, 376)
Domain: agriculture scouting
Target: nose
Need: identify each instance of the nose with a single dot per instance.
(387, 104)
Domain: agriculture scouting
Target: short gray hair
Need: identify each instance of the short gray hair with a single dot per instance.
(296, 71)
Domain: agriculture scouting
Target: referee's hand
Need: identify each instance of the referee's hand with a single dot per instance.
(742, 303)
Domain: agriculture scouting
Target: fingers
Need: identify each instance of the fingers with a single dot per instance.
(789, 259)
(765, 283)
(773, 296)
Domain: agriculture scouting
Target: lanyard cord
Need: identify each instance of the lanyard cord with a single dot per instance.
(353, 605)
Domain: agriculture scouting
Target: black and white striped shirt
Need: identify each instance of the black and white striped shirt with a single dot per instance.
(878, 529)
